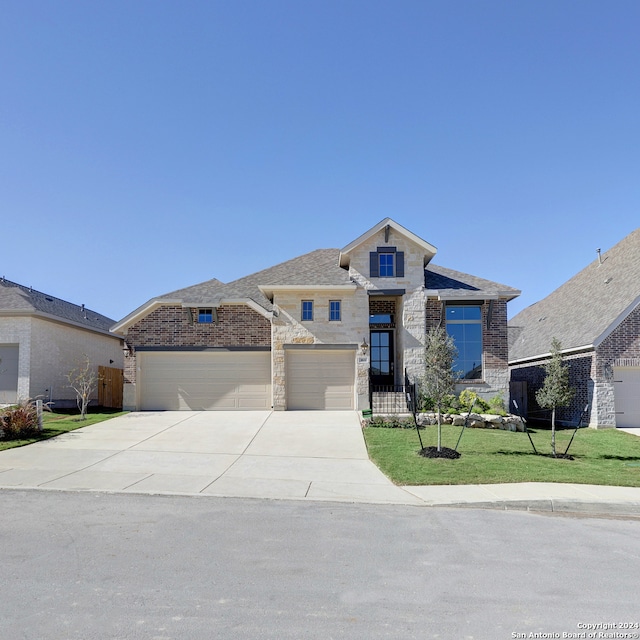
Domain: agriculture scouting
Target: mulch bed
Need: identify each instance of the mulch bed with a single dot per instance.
(445, 452)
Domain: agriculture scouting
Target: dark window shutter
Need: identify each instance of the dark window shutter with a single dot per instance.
(373, 264)
(400, 264)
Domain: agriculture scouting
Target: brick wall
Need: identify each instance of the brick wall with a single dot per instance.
(495, 345)
(581, 368)
(622, 345)
(170, 326)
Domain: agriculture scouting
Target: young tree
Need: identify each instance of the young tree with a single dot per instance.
(555, 391)
(83, 380)
(439, 378)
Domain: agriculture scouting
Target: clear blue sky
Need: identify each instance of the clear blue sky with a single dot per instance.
(149, 145)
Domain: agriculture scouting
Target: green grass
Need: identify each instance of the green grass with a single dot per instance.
(55, 423)
(606, 457)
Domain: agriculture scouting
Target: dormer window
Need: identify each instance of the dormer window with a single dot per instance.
(386, 262)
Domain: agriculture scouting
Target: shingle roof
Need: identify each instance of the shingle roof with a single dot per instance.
(584, 307)
(450, 283)
(318, 268)
(16, 298)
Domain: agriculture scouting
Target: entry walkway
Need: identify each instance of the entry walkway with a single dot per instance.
(311, 455)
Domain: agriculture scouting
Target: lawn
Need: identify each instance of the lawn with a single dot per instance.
(55, 423)
(607, 457)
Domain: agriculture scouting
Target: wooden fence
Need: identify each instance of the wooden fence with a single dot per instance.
(110, 387)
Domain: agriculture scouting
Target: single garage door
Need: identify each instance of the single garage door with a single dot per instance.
(626, 382)
(320, 379)
(205, 380)
(8, 374)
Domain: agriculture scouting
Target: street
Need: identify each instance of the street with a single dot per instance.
(85, 565)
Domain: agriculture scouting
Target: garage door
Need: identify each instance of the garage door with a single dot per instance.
(626, 382)
(320, 379)
(8, 374)
(207, 380)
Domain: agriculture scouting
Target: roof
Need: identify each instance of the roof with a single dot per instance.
(449, 284)
(318, 269)
(315, 269)
(16, 299)
(585, 309)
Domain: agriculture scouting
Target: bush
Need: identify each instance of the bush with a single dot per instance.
(19, 421)
(470, 398)
(391, 422)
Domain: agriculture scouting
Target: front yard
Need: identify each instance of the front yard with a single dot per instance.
(606, 457)
(55, 423)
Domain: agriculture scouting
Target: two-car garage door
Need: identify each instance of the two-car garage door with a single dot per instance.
(204, 380)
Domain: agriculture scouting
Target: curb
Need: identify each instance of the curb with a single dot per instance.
(627, 509)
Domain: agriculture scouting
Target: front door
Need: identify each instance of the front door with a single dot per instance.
(382, 358)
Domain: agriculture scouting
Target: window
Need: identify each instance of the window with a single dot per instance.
(381, 318)
(335, 312)
(205, 315)
(386, 265)
(386, 262)
(307, 309)
(464, 325)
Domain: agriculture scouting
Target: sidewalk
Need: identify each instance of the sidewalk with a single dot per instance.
(266, 455)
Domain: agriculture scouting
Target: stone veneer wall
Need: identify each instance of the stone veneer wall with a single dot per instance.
(170, 326)
(288, 328)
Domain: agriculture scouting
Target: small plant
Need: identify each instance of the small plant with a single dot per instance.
(555, 391)
(470, 399)
(83, 379)
(496, 405)
(19, 421)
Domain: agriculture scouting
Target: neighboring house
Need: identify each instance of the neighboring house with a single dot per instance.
(42, 338)
(596, 317)
(312, 332)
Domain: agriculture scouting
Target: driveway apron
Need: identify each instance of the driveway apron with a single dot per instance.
(303, 455)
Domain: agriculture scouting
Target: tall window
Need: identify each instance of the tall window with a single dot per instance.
(307, 309)
(464, 325)
(335, 313)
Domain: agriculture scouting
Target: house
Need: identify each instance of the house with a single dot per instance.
(596, 317)
(316, 332)
(42, 338)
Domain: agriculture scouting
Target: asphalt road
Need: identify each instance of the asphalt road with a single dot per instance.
(80, 566)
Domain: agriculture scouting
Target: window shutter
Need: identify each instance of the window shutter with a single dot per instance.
(373, 264)
(400, 264)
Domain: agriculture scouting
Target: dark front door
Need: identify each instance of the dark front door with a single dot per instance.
(382, 358)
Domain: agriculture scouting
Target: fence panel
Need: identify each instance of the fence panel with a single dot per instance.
(110, 387)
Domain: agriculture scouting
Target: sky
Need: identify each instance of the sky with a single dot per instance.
(146, 146)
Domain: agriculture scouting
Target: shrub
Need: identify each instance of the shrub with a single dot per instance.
(468, 398)
(496, 405)
(391, 422)
(19, 421)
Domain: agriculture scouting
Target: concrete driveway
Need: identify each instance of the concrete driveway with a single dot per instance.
(316, 455)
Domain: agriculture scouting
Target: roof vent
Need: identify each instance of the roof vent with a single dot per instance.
(608, 280)
(599, 252)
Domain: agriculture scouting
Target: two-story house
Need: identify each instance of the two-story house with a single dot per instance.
(315, 332)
